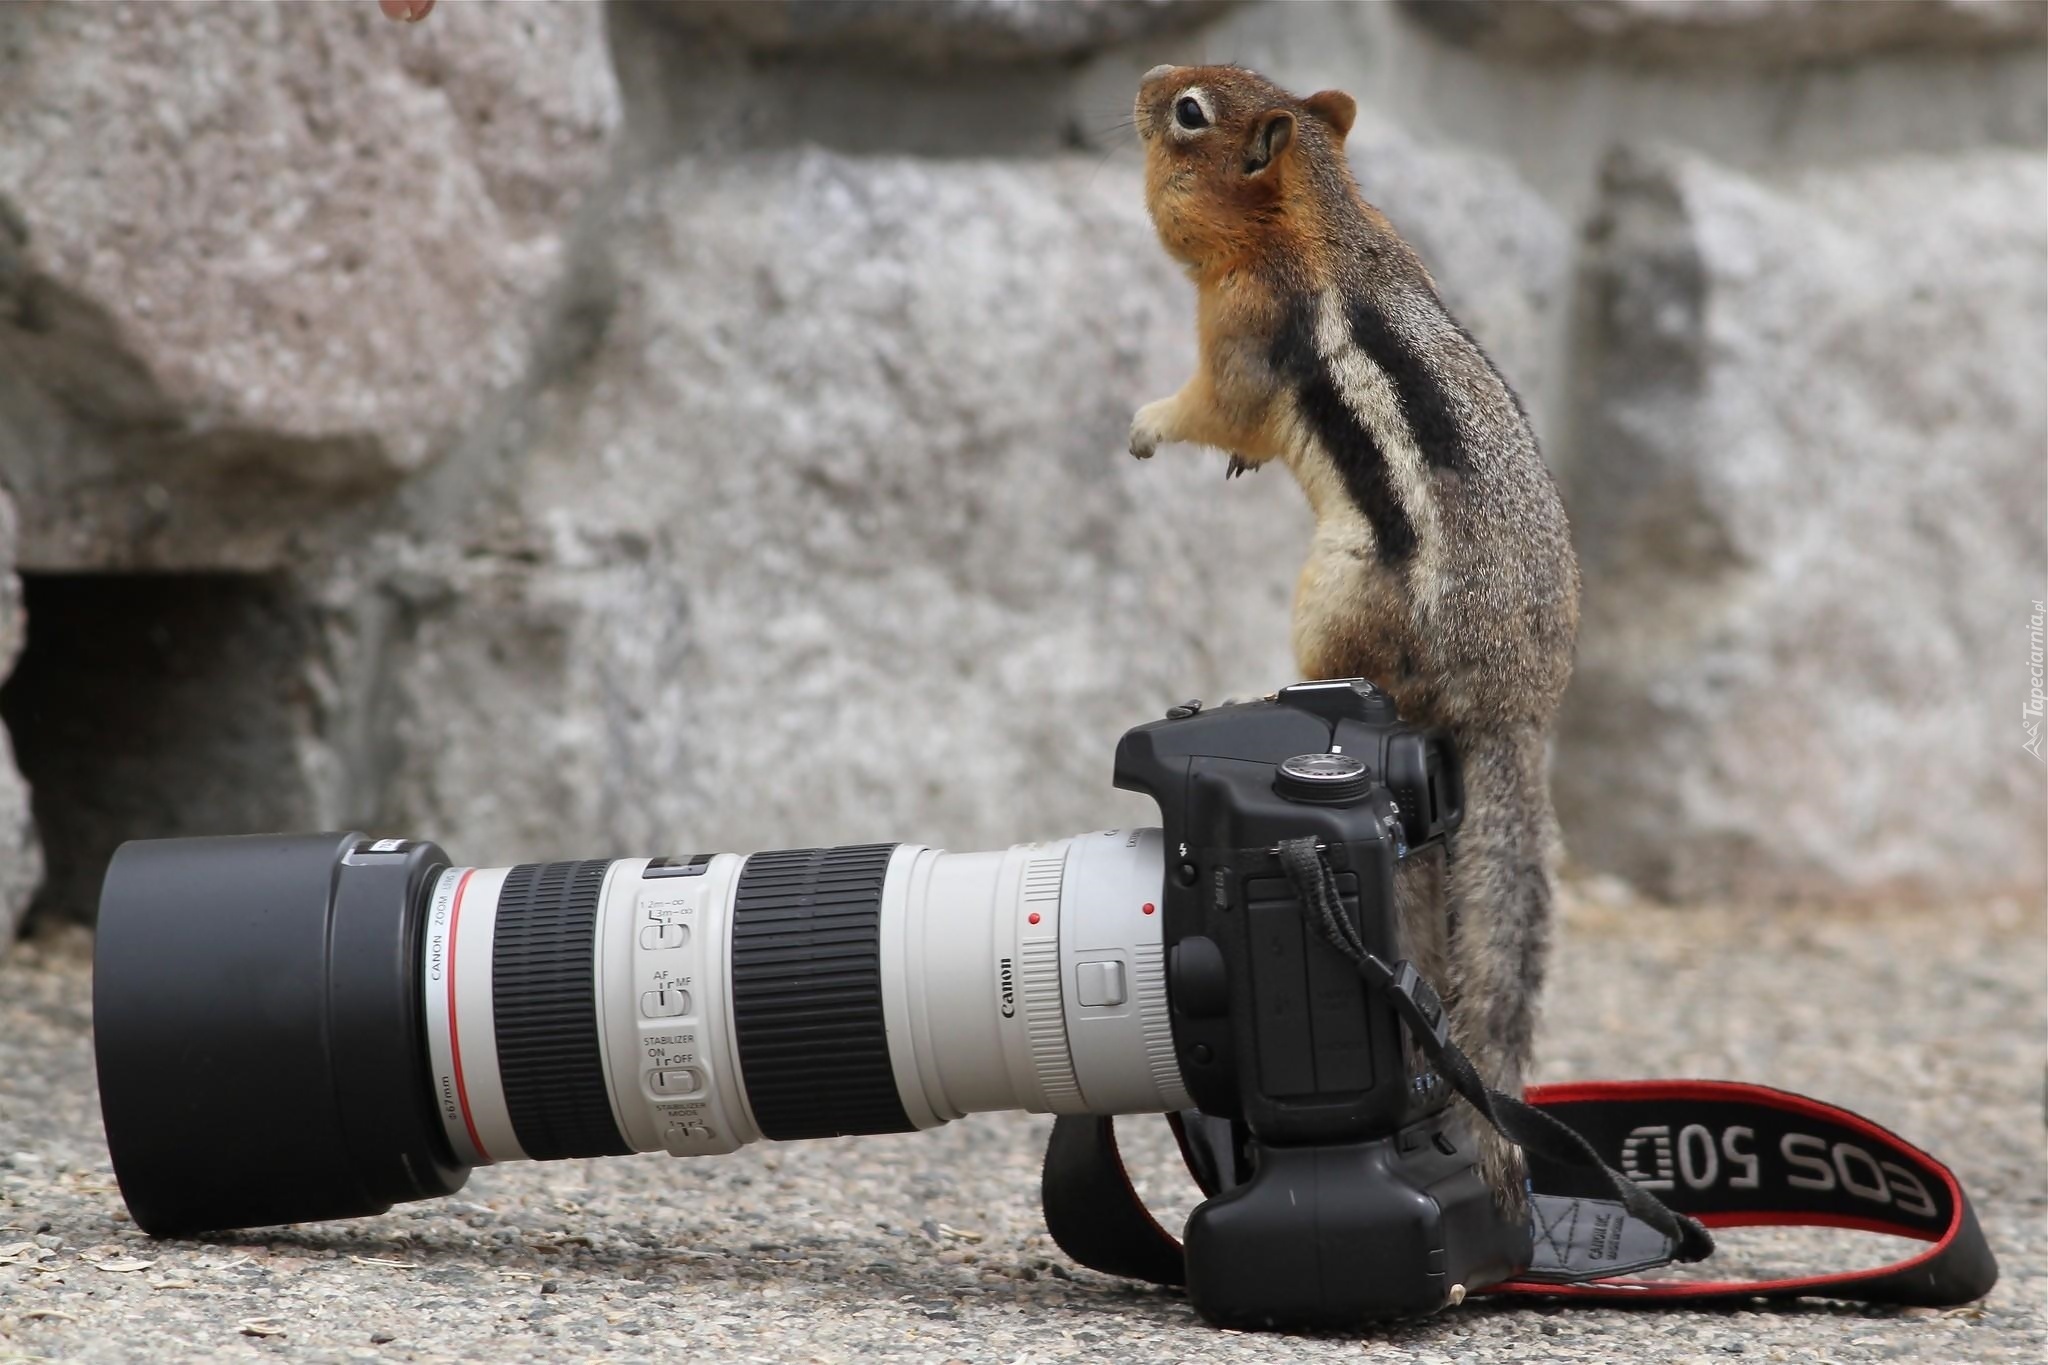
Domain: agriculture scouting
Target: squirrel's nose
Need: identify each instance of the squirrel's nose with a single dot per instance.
(1155, 73)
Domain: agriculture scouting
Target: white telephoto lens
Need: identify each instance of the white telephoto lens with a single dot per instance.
(695, 1005)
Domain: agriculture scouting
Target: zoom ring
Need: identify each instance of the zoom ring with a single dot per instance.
(807, 993)
(544, 999)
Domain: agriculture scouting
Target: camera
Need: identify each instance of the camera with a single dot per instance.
(421, 1017)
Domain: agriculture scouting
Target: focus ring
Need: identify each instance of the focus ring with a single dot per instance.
(807, 993)
(544, 1002)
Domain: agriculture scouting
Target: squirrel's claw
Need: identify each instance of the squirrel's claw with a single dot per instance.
(1239, 465)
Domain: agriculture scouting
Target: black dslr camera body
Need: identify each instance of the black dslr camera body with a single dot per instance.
(1348, 1192)
(441, 1017)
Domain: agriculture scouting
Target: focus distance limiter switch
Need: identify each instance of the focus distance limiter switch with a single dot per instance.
(655, 937)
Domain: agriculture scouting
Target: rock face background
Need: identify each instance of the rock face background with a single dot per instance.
(1814, 458)
(568, 428)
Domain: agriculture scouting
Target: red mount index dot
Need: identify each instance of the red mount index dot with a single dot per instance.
(1031, 918)
(1150, 907)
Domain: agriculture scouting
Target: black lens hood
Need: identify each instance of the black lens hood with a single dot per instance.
(259, 1030)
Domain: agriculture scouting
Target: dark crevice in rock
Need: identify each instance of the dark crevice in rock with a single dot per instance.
(149, 706)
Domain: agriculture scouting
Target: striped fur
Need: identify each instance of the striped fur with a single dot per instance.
(1440, 564)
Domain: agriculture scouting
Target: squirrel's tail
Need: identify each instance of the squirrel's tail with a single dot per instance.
(1499, 890)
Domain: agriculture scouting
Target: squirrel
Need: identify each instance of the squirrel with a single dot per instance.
(1441, 565)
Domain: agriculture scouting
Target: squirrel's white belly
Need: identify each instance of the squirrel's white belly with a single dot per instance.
(1351, 612)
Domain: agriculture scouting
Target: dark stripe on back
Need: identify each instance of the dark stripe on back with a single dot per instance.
(1360, 461)
(1423, 402)
(1515, 399)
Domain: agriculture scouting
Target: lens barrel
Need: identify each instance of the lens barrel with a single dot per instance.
(297, 1028)
(549, 1058)
(257, 1027)
(807, 993)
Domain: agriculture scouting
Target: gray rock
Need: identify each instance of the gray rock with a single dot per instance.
(296, 240)
(936, 32)
(1760, 32)
(1809, 505)
(21, 863)
(10, 588)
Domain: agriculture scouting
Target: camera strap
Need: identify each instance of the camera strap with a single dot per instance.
(1719, 1153)
(1731, 1155)
(1540, 1136)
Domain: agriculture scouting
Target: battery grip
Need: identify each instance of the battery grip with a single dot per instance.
(1335, 1235)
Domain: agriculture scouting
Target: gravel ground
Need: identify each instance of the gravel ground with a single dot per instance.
(929, 1247)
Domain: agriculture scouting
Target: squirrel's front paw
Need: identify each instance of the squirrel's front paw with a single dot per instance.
(1149, 428)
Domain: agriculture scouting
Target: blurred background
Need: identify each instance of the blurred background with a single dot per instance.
(582, 429)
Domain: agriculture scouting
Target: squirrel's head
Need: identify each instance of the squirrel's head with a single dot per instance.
(1231, 158)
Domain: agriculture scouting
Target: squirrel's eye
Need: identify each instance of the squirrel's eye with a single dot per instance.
(1187, 112)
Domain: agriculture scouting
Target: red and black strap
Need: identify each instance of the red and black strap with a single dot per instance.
(1734, 1155)
(1728, 1154)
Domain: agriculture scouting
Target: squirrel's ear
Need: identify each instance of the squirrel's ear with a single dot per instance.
(1335, 108)
(1271, 135)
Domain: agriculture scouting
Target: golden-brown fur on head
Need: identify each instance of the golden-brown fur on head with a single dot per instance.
(1236, 168)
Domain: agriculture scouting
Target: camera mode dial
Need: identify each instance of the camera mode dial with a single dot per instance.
(1323, 779)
